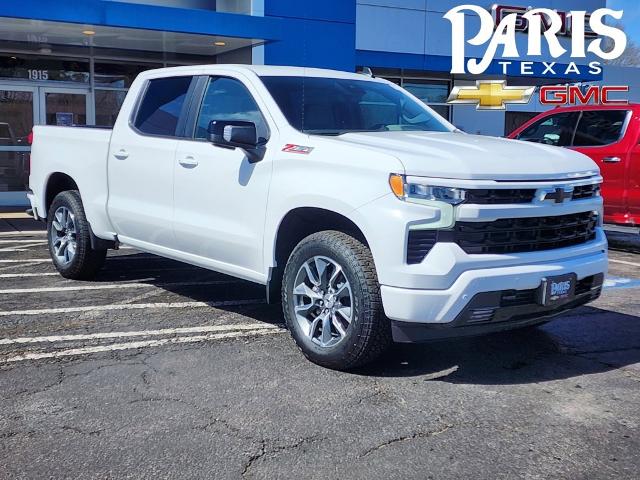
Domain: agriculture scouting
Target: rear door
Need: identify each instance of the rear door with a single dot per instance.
(600, 135)
(141, 158)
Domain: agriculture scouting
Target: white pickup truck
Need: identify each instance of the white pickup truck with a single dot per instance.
(368, 215)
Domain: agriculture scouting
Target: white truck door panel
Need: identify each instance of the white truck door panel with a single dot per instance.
(220, 198)
(141, 186)
(220, 201)
(141, 163)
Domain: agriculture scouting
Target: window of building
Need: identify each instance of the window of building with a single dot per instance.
(108, 103)
(432, 92)
(16, 121)
(65, 109)
(554, 130)
(161, 105)
(597, 128)
(229, 99)
(44, 69)
(119, 75)
(112, 80)
(428, 90)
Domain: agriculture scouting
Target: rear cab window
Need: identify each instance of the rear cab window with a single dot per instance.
(162, 105)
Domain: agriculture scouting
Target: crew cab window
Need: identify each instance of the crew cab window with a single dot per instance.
(228, 99)
(597, 128)
(554, 130)
(161, 106)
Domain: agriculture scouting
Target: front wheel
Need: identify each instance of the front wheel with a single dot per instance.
(331, 301)
(69, 237)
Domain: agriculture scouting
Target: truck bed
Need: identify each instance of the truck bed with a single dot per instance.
(79, 152)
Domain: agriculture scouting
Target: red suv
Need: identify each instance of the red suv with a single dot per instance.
(607, 134)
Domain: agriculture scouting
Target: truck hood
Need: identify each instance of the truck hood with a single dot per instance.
(474, 157)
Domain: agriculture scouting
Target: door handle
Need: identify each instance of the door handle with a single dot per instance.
(611, 159)
(121, 154)
(188, 162)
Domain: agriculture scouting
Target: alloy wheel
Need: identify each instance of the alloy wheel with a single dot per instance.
(323, 301)
(63, 235)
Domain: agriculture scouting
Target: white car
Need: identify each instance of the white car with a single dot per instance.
(371, 217)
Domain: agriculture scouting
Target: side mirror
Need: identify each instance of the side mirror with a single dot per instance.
(237, 134)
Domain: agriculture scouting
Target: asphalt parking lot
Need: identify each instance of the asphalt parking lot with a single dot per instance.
(159, 369)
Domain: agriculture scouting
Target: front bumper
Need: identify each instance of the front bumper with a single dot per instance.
(442, 306)
(497, 311)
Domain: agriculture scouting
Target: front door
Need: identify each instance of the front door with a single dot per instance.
(220, 199)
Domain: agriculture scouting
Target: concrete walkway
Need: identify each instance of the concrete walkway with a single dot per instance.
(14, 220)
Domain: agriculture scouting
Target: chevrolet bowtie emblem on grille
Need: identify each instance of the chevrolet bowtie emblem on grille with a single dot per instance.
(559, 194)
(491, 95)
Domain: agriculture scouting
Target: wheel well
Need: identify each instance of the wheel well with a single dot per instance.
(298, 224)
(58, 182)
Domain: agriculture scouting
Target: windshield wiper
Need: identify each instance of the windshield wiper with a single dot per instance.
(333, 133)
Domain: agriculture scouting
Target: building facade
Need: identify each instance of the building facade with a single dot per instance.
(70, 62)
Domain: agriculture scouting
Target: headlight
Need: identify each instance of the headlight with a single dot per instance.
(418, 191)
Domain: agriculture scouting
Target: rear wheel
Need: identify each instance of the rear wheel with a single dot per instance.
(331, 301)
(69, 238)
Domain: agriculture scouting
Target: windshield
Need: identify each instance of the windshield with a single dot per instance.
(333, 106)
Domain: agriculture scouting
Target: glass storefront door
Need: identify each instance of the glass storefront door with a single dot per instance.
(63, 107)
(18, 110)
(22, 107)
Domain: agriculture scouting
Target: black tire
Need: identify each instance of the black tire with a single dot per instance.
(369, 332)
(86, 262)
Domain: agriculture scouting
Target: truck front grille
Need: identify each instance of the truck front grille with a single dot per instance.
(497, 196)
(504, 196)
(507, 235)
(518, 235)
(585, 191)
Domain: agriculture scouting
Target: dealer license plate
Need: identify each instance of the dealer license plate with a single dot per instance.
(558, 289)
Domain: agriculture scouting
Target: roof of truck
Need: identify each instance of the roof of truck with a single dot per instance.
(275, 70)
(270, 70)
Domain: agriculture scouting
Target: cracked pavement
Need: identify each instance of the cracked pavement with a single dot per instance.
(558, 401)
